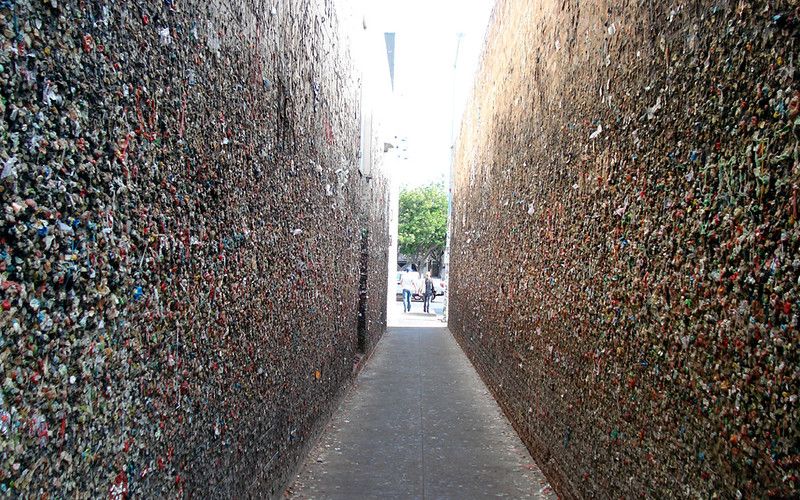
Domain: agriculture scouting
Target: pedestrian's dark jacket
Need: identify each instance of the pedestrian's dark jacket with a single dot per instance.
(428, 286)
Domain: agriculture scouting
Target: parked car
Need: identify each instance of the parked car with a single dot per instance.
(398, 289)
(414, 296)
(439, 288)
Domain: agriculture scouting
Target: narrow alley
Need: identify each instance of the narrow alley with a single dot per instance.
(213, 213)
(419, 423)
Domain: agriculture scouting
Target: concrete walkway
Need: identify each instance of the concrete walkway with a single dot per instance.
(419, 424)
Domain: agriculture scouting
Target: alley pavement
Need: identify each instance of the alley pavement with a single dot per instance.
(419, 423)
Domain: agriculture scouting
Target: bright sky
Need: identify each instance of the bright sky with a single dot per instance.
(428, 89)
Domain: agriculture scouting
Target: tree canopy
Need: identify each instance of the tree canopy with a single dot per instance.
(422, 219)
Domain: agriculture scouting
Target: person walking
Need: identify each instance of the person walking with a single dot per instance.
(426, 305)
(407, 284)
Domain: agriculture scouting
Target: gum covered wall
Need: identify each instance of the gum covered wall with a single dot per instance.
(624, 268)
(183, 226)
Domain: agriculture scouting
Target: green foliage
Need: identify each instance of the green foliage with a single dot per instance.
(422, 222)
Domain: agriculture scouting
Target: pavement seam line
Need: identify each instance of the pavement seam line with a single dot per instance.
(421, 421)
